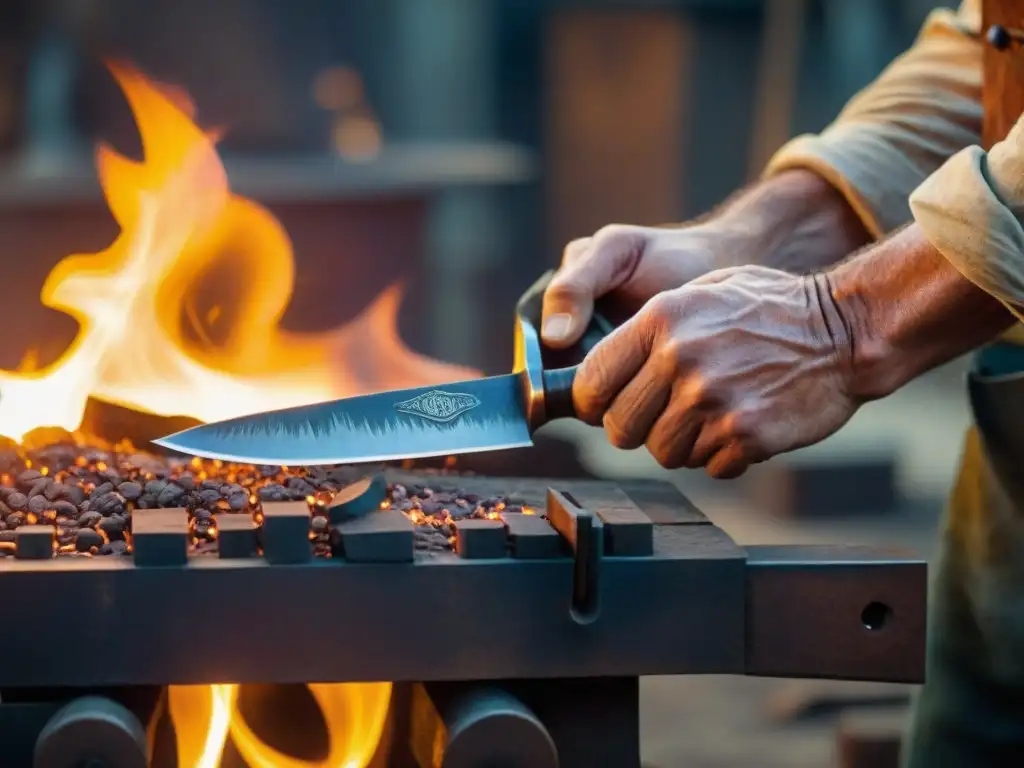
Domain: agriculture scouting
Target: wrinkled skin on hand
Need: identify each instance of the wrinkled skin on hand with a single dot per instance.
(629, 264)
(794, 221)
(729, 370)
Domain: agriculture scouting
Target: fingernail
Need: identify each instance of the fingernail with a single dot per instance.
(557, 327)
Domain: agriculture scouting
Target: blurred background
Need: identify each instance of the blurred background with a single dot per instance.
(456, 145)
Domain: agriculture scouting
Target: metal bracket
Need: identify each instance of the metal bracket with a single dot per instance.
(584, 532)
(843, 612)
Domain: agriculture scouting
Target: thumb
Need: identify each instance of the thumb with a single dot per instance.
(591, 268)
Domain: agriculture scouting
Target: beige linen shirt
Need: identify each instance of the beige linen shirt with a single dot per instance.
(907, 147)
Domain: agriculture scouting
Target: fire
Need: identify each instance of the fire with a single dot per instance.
(178, 218)
(204, 717)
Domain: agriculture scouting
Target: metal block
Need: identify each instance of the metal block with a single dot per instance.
(662, 507)
(826, 487)
(585, 534)
(383, 537)
(236, 535)
(358, 499)
(842, 612)
(160, 537)
(532, 537)
(480, 539)
(34, 542)
(628, 532)
(871, 739)
(285, 533)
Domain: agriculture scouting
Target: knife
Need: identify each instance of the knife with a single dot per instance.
(487, 414)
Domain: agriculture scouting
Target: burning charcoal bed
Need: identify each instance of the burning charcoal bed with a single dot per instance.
(532, 606)
(87, 496)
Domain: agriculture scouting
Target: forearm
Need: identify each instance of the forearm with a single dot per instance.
(826, 196)
(908, 310)
(795, 221)
(922, 109)
(823, 197)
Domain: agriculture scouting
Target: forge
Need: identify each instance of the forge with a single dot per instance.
(443, 619)
(169, 612)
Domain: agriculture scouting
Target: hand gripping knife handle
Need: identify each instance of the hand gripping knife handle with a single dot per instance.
(550, 373)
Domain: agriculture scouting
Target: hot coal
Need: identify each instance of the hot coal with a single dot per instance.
(89, 493)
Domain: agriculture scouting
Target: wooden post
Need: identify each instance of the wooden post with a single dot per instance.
(615, 129)
(1002, 88)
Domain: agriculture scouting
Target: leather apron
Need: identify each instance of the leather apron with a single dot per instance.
(970, 711)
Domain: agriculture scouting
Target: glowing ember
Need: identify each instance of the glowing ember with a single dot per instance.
(89, 493)
(178, 217)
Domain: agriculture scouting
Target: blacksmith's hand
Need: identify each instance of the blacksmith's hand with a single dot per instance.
(631, 264)
(727, 371)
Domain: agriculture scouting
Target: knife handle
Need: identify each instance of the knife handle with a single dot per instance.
(560, 365)
(558, 402)
(558, 382)
(531, 309)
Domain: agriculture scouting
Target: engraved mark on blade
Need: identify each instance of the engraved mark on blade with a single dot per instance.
(439, 406)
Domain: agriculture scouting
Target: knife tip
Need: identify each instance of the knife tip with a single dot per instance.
(167, 443)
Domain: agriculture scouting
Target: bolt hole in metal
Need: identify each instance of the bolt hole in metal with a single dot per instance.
(875, 616)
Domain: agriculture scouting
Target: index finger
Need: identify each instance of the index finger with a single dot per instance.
(609, 367)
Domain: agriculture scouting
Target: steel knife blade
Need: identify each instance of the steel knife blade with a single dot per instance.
(485, 414)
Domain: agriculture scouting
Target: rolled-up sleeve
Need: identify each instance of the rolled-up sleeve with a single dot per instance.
(971, 210)
(924, 108)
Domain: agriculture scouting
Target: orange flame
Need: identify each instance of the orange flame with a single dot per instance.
(204, 717)
(178, 216)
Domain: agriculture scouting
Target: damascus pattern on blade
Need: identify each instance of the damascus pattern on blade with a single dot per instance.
(438, 405)
(458, 417)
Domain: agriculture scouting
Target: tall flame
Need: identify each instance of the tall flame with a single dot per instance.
(177, 216)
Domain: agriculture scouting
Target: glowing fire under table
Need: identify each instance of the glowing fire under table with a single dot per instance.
(524, 641)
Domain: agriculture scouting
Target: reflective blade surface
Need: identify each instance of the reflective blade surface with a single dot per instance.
(464, 417)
